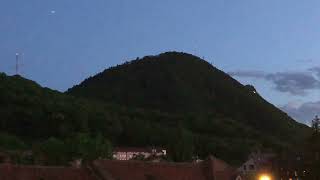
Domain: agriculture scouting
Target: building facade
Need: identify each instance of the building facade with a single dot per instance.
(129, 153)
(258, 163)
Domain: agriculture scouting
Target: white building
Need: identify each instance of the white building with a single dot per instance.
(128, 153)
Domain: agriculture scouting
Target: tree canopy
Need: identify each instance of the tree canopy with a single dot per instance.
(173, 100)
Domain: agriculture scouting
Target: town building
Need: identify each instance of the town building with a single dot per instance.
(128, 153)
(258, 162)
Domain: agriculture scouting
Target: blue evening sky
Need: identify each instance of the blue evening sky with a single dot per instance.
(64, 41)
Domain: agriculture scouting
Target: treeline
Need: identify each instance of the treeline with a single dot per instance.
(303, 161)
(55, 151)
(36, 115)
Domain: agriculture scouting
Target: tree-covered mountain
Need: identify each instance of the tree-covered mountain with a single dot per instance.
(33, 112)
(185, 84)
(174, 100)
(49, 122)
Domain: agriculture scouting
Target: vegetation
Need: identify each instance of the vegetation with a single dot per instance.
(10, 142)
(55, 151)
(182, 83)
(174, 100)
(312, 151)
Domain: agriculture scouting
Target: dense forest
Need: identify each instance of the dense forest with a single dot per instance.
(174, 100)
(181, 83)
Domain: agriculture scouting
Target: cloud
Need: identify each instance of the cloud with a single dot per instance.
(295, 83)
(305, 60)
(303, 113)
(251, 74)
(315, 70)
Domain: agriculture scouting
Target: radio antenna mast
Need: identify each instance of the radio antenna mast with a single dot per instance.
(17, 63)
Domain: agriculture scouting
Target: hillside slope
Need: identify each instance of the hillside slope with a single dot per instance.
(185, 84)
(31, 114)
(174, 100)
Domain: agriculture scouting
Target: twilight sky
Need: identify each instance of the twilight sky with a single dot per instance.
(272, 44)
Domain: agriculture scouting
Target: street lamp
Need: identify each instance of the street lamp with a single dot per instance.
(264, 177)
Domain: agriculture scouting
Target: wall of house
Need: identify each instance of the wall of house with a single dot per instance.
(217, 169)
(127, 155)
(248, 167)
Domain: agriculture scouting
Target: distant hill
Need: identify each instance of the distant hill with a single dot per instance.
(33, 112)
(174, 100)
(182, 83)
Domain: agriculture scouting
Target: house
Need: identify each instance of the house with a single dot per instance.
(258, 162)
(77, 163)
(128, 153)
(209, 169)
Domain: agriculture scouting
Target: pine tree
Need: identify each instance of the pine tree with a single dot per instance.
(316, 124)
(313, 151)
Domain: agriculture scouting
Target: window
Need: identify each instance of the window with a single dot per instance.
(244, 167)
(251, 167)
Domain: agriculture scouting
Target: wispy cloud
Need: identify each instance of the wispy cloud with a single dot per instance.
(295, 83)
(316, 70)
(252, 74)
(303, 113)
(308, 60)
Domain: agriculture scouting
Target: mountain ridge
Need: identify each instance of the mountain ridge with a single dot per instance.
(182, 82)
(214, 114)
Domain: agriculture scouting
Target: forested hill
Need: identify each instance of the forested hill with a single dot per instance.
(32, 112)
(173, 100)
(182, 83)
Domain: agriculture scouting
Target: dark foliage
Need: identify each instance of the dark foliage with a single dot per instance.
(174, 100)
(182, 83)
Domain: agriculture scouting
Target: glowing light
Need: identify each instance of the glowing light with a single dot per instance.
(53, 12)
(264, 177)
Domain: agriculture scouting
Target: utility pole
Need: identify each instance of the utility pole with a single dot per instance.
(17, 63)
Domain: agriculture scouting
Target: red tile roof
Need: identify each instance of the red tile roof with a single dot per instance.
(211, 169)
(19, 172)
(135, 170)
